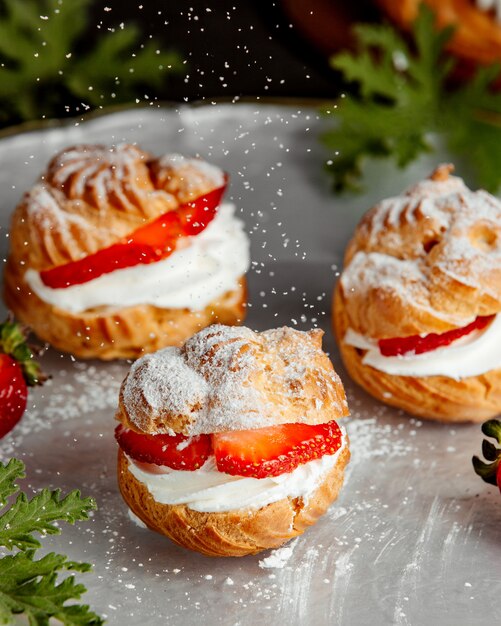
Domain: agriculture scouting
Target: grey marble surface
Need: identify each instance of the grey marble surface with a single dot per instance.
(414, 536)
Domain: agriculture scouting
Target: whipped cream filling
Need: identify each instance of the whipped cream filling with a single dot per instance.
(207, 267)
(210, 491)
(472, 355)
(490, 5)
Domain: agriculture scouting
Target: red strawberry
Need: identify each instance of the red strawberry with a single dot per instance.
(177, 451)
(153, 242)
(18, 369)
(13, 393)
(490, 472)
(417, 344)
(275, 450)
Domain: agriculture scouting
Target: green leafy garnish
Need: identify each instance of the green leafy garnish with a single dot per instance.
(402, 94)
(47, 66)
(14, 470)
(29, 586)
(489, 471)
(37, 515)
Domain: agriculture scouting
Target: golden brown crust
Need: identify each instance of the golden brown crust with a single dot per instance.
(226, 378)
(89, 198)
(472, 399)
(424, 262)
(233, 533)
(477, 35)
(110, 333)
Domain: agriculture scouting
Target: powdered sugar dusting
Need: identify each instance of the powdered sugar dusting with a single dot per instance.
(231, 378)
(163, 380)
(44, 207)
(370, 438)
(412, 247)
(103, 170)
(279, 557)
(92, 196)
(403, 279)
(178, 163)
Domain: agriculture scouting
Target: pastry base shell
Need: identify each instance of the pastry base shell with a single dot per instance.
(472, 399)
(231, 533)
(117, 333)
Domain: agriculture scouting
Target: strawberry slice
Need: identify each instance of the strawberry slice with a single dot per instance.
(177, 451)
(417, 345)
(275, 450)
(150, 243)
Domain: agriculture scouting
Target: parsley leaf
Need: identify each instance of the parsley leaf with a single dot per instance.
(30, 586)
(124, 73)
(403, 94)
(14, 470)
(47, 66)
(38, 515)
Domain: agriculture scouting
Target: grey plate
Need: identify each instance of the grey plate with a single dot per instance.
(414, 537)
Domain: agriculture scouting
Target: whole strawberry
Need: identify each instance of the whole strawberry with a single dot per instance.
(490, 472)
(18, 370)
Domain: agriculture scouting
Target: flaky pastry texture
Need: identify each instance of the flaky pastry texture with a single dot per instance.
(232, 378)
(424, 262)
(477, 34)
(110, 333)
(234, 533)
(472, 399)
(90, 198)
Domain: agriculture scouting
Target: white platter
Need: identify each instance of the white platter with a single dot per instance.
(415, 536)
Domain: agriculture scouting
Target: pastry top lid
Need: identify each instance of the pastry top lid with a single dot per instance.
(426, 261)
(92, 196)
(232, 378)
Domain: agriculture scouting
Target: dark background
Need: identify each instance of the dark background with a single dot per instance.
(243, 48)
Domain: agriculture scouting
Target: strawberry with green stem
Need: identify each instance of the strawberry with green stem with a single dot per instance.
(18, 371)
(490, 472)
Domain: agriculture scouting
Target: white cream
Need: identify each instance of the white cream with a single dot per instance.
(472, 355)
(192, 277)
(490, 5)
(210, 491)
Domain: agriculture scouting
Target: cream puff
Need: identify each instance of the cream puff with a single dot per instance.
(114, 252)
(477, 24)
(417, 309)
(229, 444)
